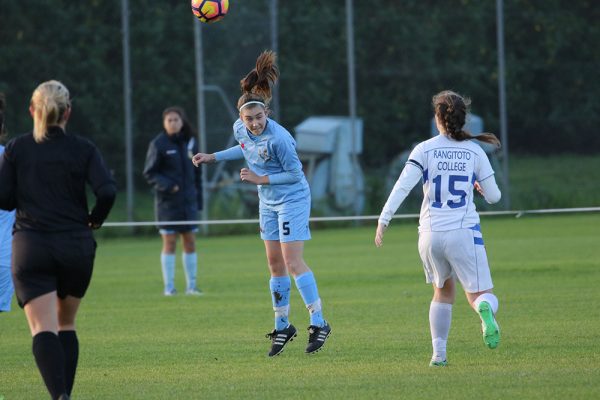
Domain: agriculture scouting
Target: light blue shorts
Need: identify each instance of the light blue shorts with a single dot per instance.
(6, 288)
(287, 222)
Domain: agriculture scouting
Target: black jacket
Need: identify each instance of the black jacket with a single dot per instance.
(169, 163)
(46, 182)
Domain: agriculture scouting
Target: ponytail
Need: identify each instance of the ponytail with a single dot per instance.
(451, 110)
(44, 109)
(256, 85)
(485, 137)
(50, 100)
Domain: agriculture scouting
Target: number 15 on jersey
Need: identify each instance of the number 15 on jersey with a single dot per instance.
(449, 189)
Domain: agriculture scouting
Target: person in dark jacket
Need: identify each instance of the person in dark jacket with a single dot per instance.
(43, 176)
(178, 195)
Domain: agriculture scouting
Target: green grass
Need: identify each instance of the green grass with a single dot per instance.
(554, 181)
(137, 344)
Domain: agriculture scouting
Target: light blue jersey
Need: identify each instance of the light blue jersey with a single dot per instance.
(272, 153)
(284, 203)
(7, 220)
(284, 208)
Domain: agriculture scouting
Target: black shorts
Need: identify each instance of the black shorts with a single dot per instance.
(43, 262)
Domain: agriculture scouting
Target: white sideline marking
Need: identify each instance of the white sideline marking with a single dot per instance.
(516, 213)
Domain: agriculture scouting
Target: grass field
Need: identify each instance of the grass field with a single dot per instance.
(137, 344)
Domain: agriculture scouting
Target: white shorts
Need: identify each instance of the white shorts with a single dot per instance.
(459, 253)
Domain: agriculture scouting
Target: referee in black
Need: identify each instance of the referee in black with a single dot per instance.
(43, 176)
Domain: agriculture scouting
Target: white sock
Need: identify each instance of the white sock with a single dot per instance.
(190, 267)
(440, 317)
(490, 298)
(167, 261)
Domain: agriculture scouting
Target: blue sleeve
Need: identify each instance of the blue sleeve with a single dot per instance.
(286, 177)
(232, 153)
(285, 150)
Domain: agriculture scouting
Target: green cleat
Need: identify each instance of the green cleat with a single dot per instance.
(433, 363)
(489, 326)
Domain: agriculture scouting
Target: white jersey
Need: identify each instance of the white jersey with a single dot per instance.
(449, 168)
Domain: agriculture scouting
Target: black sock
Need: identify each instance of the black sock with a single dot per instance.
(50, 359)
(70, 346)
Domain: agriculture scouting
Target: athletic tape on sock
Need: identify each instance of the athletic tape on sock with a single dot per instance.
(281, 311)
(314, 307)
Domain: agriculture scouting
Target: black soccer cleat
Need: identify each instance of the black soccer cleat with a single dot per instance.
(280, 338)
(316, 337)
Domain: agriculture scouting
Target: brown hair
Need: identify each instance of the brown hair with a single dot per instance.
(187, 129)
(256, 86)
(50, 100)
(451, 109)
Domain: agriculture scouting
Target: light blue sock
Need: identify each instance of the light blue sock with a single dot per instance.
(168, 270)
(190, 266)
(307, 286)
(280, 294)
(6, 288)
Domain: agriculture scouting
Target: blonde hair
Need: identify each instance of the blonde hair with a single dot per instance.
(49, 100)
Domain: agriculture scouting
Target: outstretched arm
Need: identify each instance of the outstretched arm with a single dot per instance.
(232, 153)
(203, 158)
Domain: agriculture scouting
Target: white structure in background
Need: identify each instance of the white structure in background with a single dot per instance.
(329, 151)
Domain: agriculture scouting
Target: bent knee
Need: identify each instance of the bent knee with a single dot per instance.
(296, 267)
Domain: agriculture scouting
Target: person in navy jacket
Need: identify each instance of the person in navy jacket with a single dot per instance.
(177, 195)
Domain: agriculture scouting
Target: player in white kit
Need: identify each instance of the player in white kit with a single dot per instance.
(451, 246)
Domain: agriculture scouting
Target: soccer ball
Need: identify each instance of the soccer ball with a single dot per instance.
(210, 10)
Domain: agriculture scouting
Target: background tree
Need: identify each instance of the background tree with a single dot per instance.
(405, 52)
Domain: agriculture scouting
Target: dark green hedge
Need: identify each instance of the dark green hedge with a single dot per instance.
(405, 52)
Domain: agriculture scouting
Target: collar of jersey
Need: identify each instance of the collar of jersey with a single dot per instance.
(55, 131)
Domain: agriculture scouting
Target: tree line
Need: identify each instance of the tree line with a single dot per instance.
(405, 52)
